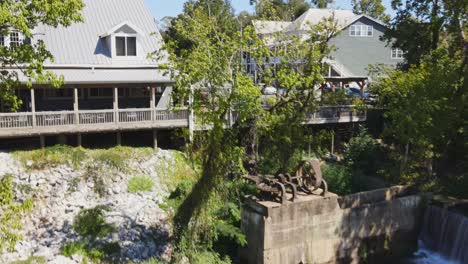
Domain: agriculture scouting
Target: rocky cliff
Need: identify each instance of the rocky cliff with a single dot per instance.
(87, 200)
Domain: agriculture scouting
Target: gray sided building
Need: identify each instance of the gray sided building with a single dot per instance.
(357, 43)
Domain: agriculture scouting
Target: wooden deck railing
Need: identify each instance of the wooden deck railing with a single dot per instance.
(12, 124)
(88, 117)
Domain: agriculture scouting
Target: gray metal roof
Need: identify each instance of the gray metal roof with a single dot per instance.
(315, 16)
(312, 16)
(269, 27)
(80, 44)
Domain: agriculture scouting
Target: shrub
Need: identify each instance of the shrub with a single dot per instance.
(174, 174)
(338, 178)
(31, 260)
(51, 157)
(111, 157)
(362, 152)
(11, 214)
(92, 223)
(90, 250)
(140, 184)
(208, 257)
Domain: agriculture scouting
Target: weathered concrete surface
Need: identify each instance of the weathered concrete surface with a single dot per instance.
(332, 229)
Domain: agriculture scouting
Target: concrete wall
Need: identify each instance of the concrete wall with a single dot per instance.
(375, 225)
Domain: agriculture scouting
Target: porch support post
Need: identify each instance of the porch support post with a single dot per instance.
(119, 138)
(191, 116)
(42, 141)
(33, 107)
(332, 150)
(79, 140)
(153, 102)
(76, 106)
(116, 104)
(155, 138)
(362, 84)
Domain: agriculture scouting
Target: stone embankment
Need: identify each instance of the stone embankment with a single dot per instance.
(59, 193)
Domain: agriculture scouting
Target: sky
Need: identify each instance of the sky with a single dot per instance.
(162, 8)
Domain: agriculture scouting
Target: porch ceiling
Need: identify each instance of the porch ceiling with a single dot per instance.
(107, 76)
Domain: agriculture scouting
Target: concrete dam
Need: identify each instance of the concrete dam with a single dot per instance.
(380, 226)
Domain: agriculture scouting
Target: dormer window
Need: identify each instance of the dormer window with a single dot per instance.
(125, 46)
(122, 40)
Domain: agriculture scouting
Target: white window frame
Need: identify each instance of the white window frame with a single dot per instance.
(362, 29)
(399, 54)
(17, 42)
(126, 45)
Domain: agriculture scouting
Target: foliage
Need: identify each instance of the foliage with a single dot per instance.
(339, 179)
(91, 251)
(140, 184)
(25, 16)
(209, 72)
(372, 8)
(425, 118)
(11, 214)
(92, 223)
(179, 171)
(279, 9)
(419, 25)
(361, 152)
(31, 260)
(51, 157)
(208, 257)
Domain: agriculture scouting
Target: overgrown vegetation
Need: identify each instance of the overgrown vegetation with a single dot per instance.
(91, 225)
(172, 174)
(11, 214)
(31, 260)
(140, 184)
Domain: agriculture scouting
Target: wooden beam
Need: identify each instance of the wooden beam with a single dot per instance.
(155, 138)
(33, 107)
(153, 102)
(79, 140)
(116, 104)
(119, 138)
(76, 108)
(42, 141)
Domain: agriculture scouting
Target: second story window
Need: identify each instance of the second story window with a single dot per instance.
(2, 40)
(125, 46)
(361, 31)
(397, 53)
(15, 39)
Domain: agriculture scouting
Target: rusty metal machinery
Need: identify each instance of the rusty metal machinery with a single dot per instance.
(308, 179)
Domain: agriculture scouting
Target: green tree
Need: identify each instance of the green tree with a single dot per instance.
(322, 3)
(427, 101)
(420, 26)
(210, 70)
(286, 10)
(373, 8)
(24, 16)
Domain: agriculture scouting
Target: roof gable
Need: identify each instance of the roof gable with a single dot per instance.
(125, 27)
(81, 43)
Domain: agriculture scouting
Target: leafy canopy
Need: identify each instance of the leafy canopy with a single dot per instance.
(28, 58)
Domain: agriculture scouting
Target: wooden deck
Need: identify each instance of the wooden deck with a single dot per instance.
(85, 121)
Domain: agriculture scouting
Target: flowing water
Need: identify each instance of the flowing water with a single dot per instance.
(443, 239)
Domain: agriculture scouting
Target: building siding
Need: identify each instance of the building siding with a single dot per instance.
(357, 53)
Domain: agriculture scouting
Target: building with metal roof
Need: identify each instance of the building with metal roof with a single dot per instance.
(357, 42)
